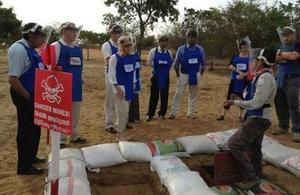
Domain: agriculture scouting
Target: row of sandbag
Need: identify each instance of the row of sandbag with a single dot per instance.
(72, 174)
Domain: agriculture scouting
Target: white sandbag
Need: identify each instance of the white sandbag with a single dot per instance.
(277, 153)
(292, 164)
(166, 165)
(200, 192)
(268, 140)
(135, 151)
(72, 168)
(221, 138)
(71, 186)
(186, 182)
(102, 155)
(198, 144)
(70, 153)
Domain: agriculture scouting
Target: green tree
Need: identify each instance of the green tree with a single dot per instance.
(143, 12)
(10, 26)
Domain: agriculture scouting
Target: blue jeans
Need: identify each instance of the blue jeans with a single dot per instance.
(287, 104)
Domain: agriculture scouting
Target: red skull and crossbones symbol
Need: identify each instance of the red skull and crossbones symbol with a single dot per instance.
(51, 89)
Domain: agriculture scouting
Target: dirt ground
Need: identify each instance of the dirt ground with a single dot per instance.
(130, 178)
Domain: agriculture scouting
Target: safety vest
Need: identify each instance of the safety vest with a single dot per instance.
(113, 48)
(162, 63)
(71, 60)
(191, 62)
(27, 78)
(250, 92)
(290, 67)
(137, 87)
(241, 64)
(125, 73)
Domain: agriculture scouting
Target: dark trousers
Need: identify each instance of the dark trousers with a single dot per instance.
(134, 109)
(155, 93)
(249, 137)
(287, 104)
(28, 135)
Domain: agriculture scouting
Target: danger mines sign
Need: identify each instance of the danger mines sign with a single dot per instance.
(53, 100)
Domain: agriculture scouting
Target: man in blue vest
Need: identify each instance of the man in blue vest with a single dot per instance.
(189, 66)
(260, 95)
(287, 100)
(160, 58)
(69, 57)
(23, 59)
(108, 49)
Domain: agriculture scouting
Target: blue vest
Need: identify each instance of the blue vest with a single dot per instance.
(162, 63)
(242, 65)
(250, 90)
(71, 60)
(290, 67)
(137, 87)
(113, 48)
(191, 62)
(124, 74)
(27, 78)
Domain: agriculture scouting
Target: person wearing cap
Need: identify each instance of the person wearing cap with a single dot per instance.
(160, 58)
(23, 59)
(134, 108)
(239, 67)
(260, 95)
(121, 74)
(287, 99)
(108, 49)
(70, 58)
(189, 65)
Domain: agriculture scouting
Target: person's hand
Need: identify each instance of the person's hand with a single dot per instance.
(227, 104)
(120, 92)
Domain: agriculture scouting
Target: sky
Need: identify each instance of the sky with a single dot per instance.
(88, 12)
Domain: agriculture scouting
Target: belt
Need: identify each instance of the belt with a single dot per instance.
(290, 76)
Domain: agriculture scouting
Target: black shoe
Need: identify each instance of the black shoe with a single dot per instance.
(128, 126)
(79, 140)
(220, 118)
(162, 117)
(36, 160)
(62, 146)
(31, 171)
(148, 118)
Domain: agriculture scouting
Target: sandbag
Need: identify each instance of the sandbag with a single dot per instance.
(102, 155)
(69, 153)
(198, 144)
(70, 186)
(164, 147)
(292, 164)
(135, 151)
(277, 153)
(72, 168)
(268, 140)
(186, 182)
(166, 165)
(221, 138)
(200, 192)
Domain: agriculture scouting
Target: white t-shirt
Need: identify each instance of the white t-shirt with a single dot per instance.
(106, 49)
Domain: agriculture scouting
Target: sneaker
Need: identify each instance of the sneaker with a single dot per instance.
(191, 116)
(172, 116)
(296, 137)
(162, 117)
(36, 160)
(148, 118)
(280, 131)
(111, 130)
(79, 140)
(220, 118)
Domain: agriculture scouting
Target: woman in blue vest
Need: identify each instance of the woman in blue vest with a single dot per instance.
(261, 94)
(160, 58)
(121, 74)
(134, 108)
(239, 67)
(23, 59)
(69, 57)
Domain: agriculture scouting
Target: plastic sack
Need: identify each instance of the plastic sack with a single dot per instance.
(292, 165)
(198, 144)
(164, 147)
(70, 153)
(72, 168)
(135, 151)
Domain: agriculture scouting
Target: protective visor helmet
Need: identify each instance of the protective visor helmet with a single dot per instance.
(268, 56)
(115, 28)
(33, 28)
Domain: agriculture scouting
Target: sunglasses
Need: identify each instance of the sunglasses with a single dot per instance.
(72, 29)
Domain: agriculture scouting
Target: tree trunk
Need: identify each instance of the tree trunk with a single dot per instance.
(141, 38)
